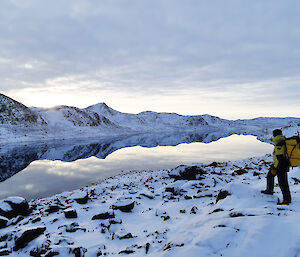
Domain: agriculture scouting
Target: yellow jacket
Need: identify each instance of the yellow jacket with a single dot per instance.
(279, 148)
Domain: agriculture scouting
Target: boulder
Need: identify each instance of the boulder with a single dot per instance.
(27, 237)
(70, 214)
(14, 206)
(188, 173)
(103, 216)
(124, 207)
(222, 195)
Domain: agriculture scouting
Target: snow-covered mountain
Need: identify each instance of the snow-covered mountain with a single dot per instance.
(21, 123)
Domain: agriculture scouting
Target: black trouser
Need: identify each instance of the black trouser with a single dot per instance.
(282, 177)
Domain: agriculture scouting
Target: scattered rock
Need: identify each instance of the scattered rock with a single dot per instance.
(188, 173)
(4, 252)
(36, 220)
(70, 214)
(27, 237)
(147, 247)
(127, 236)
(52, 209)
(82, 200)
(127, 251)
(236, 214)
(168, 246)
(194, 210)
(124, 208)
(148, 196)
(222, 195)
(170, 190)
(239, 172)
(103, 216)
(216, 210)
(51, 254)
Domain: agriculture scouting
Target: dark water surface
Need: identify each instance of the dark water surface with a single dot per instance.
(41, 170)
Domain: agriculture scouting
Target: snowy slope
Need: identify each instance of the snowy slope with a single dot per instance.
(219, 212)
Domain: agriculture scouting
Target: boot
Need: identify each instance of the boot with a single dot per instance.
(284, 202)
(267, 192)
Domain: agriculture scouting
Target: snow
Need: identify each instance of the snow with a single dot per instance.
(188, 221)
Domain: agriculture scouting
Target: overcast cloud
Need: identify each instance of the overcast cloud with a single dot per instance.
(235, 59)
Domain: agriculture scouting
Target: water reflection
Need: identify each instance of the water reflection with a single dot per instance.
(52, 168)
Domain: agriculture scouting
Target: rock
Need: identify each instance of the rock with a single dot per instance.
(124, 208)
(148, 196)
(239, 172)
(126, 251)
(222, 195)
(27, 237)
(70, 214)
(51, 253)
(103, 216)
(194, 210)
(127, 236)
(170, 190)
(4, 252)
(236, 214)
(82, 200)
(188, 173)
(216, 210)
(147, 247)
(3, 222)
(52, 209)
(14, 206)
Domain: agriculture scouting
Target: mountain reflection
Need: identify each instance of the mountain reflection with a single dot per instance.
(14, 159)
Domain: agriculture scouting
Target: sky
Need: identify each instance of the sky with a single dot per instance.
(233, 59)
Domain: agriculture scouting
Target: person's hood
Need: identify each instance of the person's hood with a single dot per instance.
(278, 139)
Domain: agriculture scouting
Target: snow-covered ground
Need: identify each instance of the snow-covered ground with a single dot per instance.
(217, 211)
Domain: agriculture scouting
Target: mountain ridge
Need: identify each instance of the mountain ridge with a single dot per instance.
(21, 123)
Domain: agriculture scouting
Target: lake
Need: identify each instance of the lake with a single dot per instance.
(40, 170)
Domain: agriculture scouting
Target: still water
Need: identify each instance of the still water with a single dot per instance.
(36, 171)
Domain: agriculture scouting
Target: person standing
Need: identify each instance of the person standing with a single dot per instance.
(280, 167)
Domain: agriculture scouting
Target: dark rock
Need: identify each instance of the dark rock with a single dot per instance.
(213, 164)
(222, 195)
(71, 214)
(3, 222)
(27, 237)
(36, 220)
(194, 210)
(147, 247)
(187, 197)
(127, 236)
(52, 209)
(79, 251)
(18, 205)
(103, 216)
(82, 200)
(190, 173)
(148, 196)
(4, 252)
(239, 172)
(236, 214)
(124, 208)
(126, 251)
(170, 190)
(51, 253)
(216, 210)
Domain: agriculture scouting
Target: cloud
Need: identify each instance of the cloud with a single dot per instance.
(155, 47)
